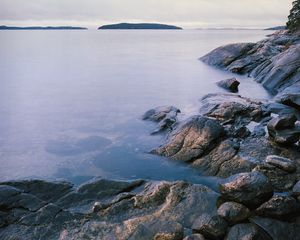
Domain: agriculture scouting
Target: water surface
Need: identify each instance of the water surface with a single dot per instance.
(71, 101)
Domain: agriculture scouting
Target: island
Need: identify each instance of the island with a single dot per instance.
(139, 26)
(42, 28)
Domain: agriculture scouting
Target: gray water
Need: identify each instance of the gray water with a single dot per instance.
(71, 101)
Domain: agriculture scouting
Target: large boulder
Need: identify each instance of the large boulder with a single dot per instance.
(250, 189)
(290, 96)
(192, 139)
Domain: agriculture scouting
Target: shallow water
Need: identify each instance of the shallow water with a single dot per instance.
(71, 101)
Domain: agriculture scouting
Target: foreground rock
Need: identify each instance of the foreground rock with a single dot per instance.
(250, 189)
(192, 140)
(101, 209)
(165, 116)
(231, 84)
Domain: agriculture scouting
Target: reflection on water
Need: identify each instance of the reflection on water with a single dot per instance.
(71, 102)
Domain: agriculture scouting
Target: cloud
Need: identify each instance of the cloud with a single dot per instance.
(193, 13)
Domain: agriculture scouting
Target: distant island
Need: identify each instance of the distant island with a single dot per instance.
(42, 28)
(139, 26)
(276, 28)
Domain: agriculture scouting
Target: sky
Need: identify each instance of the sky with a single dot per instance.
(184, 13)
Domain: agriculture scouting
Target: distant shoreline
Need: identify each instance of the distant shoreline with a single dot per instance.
(139, 26)
(42, 28)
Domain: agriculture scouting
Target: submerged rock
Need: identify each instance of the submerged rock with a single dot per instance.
(165, 116)
(192, 139)
(250, 189)
(212, 227)
(282, 163)
(234, 212)
(230, 84)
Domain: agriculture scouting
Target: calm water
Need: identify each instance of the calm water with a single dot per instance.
(71, 101)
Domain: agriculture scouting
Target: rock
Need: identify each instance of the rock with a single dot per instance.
(228, 107)
(224, 56)
(280, 207)
(282, 122)
(250, 189)
(102, 209)
(196, 236)
(234, 212)
(286, 136)
(231, 84)
(276, 229)
(296, 189)
(282, 163)
(165, 116)
(192, 139)
(281, 180)
(246, 231)
(290, 96)
(210, 226)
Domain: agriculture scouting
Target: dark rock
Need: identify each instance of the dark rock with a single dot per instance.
(278, 230)
(210, 226)
(282, 163)
(247, 231)
(231, 84)
(286, 136)
(282, 122)
(165, 116)
(196, 236)
(296, 189)
(192, 139)
(290, 96)
(280, 207)
(234, 212)
(280, 179)
(250, 189)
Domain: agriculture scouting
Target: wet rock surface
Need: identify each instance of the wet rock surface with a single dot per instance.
(250, 189)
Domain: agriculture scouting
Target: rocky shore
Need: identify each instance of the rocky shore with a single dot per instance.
(253, 145)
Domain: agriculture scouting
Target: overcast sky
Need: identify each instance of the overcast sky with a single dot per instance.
(185, 13)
